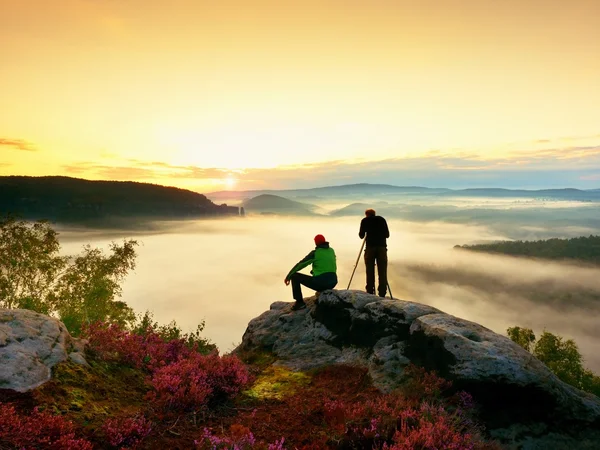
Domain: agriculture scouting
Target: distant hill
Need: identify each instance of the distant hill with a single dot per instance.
(267, 203)
(354, 209)
(73, 200)
(585, 249)
(553, 194)
(366, 189)
(360, 189)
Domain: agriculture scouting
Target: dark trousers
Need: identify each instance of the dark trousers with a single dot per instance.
(376, 255)
(319, 283)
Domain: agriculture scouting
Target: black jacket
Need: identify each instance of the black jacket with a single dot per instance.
(376, 230)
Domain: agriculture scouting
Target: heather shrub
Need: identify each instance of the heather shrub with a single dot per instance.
(181, 385)
(422, 420)
(239, 437)
(181, 377)
(355, 417)
(196, 381)
(148, 351)
(172, 331)
(432, 427)
(127, 432)
(38, 430)
(390, 423)
(227, 374)
(422, 384)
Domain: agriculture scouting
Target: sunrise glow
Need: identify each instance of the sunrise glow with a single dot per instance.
(188, 91)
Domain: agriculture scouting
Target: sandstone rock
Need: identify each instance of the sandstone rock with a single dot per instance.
(30, 345)
(501, 374)
(386, 335)
(339, 327)
(77, 354)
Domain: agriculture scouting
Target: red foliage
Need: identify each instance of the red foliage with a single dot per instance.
(144, 351)
(432, 427)
(421, 420)
(341, 410)
(39, 430)
(238, 438)
(193, 382)
(126, 433)
(180, 385)
(384, 423)
(181, 377)
(423, 384)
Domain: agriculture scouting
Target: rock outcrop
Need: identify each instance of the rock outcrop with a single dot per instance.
(30, 345)
(519, 395)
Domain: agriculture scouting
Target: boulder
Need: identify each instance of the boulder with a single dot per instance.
(341, 327)
(500, 373)
(516, 391)
(30, 345)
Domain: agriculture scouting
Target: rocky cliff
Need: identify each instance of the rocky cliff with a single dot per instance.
(521, 400)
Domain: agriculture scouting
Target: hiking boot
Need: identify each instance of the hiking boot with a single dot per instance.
(298, 305)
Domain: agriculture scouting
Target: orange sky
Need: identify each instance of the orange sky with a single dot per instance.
(209, 94)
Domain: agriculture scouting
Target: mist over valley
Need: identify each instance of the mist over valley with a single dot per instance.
(228, 270)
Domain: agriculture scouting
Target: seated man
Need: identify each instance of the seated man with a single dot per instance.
(323, 270)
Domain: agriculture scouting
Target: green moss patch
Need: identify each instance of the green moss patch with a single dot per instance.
(277, 383)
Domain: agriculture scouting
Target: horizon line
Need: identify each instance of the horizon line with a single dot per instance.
(306, 189)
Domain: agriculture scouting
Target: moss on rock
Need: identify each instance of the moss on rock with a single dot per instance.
(277, 383)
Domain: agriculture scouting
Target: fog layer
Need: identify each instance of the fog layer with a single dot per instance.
(229, 271)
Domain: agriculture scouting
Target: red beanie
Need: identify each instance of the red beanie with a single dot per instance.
(319, 239)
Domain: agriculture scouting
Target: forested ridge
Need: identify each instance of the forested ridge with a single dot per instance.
(580, 248)
(66, 199)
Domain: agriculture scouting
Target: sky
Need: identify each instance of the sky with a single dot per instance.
(273, 94)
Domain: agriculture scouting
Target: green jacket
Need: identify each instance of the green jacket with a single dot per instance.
(322, 259)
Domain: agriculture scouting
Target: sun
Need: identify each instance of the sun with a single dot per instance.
(230, 182)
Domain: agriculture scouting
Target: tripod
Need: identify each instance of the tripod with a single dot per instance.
(356, 264)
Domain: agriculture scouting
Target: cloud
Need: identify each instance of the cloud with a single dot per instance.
(124, 173)
(547, 168)
(593, 177)
(202, 173)
(579, 152)
(140, 170)
(566, 139)
(573, 166)
(18, 144)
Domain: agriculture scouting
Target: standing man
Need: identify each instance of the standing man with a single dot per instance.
(323, 270)
(376, 229)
